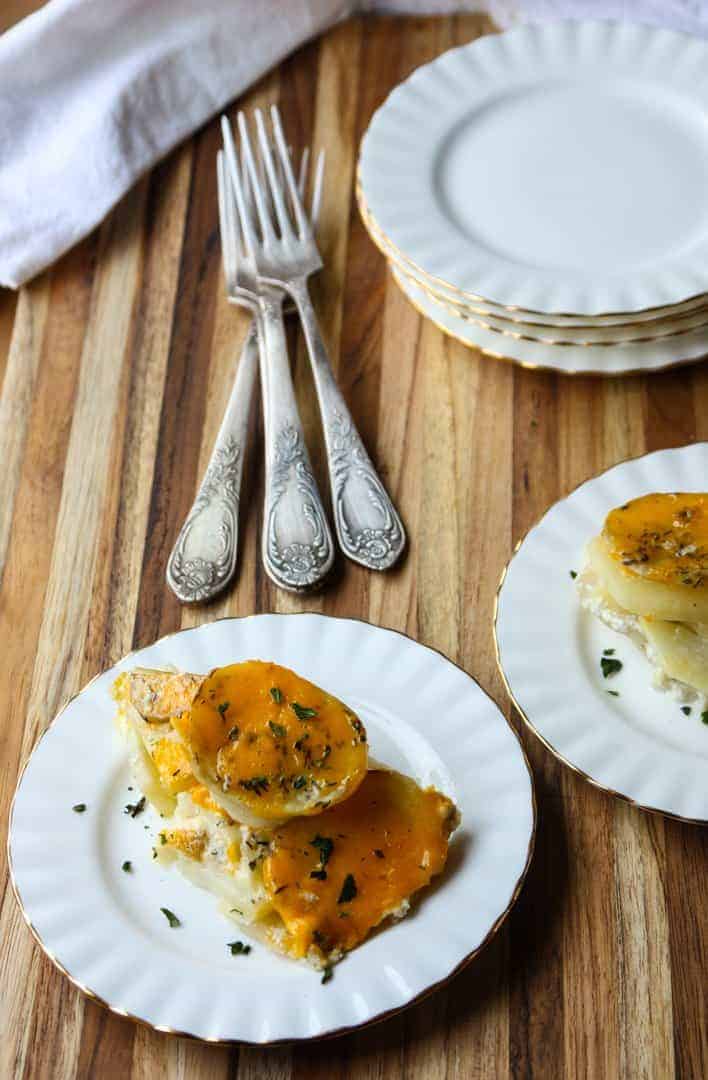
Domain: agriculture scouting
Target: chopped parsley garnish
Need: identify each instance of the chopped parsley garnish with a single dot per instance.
(163, 838)
(302, 712)
(233, 734)
(686, 710)
(704, 717)
(256, 784)
(127, 866)
(349, 890)
(299, 782)
(613, 693)
(327, 974)
(276, 694)
(237, 910)
(171, 917)
(610, 666)
(320, 875)
(608, 652)
(378, 853)
(223, 707)
(573, 574)
(133, 809)
(238, 948)
(79, 807)
(277, 729)
(325, 846)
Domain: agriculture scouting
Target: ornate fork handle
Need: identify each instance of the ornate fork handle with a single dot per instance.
(368, 527)
(297, 543)
(204, 556)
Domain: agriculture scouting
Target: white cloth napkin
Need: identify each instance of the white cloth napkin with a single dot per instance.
(92, 93)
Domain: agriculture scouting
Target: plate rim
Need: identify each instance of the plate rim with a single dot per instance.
(497, 652)
(530, 365)
(577, 26)
(87, 992)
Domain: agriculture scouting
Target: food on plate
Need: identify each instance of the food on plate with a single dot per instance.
(266, 743)
(646, 575)
(319, 851)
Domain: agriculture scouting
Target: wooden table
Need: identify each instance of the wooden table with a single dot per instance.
(115, 368)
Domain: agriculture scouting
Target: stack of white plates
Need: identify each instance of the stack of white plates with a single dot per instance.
(542, 195)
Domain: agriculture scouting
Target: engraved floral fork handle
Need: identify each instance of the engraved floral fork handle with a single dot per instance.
(297, 545)
(369, 529)
(204, 556)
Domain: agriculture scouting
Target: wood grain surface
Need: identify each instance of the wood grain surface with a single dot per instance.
(115, 367)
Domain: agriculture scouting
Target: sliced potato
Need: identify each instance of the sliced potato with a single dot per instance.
(643, 595)
(681, 651)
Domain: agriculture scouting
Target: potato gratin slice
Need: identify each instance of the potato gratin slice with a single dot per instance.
(262, 780)
(270, 745)
(647, 576)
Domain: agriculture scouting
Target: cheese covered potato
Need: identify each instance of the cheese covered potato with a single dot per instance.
(647, 575)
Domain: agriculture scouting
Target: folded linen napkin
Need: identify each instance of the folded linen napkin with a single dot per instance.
(93, 94)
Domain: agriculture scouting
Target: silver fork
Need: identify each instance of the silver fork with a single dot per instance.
(369, 529)
(297, 545)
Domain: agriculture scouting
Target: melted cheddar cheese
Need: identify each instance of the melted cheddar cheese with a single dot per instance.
(269, 744)
(333, 878)
(661, 537)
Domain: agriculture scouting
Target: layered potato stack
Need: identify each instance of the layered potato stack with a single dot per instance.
(646, 575)
(271, 803)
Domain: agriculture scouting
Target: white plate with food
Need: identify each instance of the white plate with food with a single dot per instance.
(207, 842)
(568, 359)
(601, 631)
(538, 168)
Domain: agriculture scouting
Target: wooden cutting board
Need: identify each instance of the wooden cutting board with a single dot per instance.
(115, 368)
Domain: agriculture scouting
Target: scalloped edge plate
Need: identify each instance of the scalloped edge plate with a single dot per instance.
(568, 359)
(637, 745)
(419, 163)
(103, 927)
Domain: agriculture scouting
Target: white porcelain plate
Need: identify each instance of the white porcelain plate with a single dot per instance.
(639, 744)
(569, 359)
(103, 926)
(559, 167)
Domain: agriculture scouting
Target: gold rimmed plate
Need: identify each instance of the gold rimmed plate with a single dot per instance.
(636, 742)
(423, 715)
(538, 168)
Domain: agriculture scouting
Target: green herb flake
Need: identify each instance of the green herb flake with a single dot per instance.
(171, 917)
(223, 707)
(608, 652)
(135, 808)
(127, 866)
(704, 717)
(233, 734)
(686, 710)
(303, 712)
(299, 782)
(278, 730)
(378, 853)
(319, 875)
(237, 948)
(573, 574)
(79, 807)
(609, 666)
(256, 784)
(325, 846)
(327, 974)
(163, 838)
(613, 693)
(349, 890)
(276, 694)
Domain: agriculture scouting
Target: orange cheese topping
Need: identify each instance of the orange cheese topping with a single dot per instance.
(189, 841)
(200, 795)
(272, 735)
(662, 537)
(173, 767)
(335, 877)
